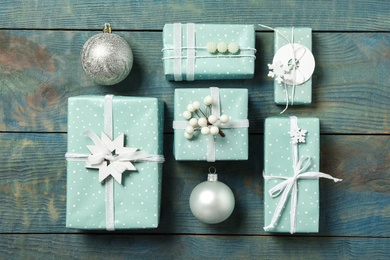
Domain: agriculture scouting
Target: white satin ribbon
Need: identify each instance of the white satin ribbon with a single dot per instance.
(289, 185)
(190, 75)
(111, 166)
(177, 51)
(109, 184)
(215, 110)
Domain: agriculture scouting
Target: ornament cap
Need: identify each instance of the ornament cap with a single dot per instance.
(107, 28)
(212, 176)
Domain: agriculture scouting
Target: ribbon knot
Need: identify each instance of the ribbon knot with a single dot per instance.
(299, 172)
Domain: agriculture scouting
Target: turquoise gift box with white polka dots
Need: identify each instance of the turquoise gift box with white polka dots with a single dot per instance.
(278, 163)
(299, 93)
(208, 51)
(137, 198)
(234, 144)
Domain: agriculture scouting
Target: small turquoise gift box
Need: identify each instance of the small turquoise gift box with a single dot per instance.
(208, 51)
(291, 174)
(292, 66)
(211, 124)
(114, 162)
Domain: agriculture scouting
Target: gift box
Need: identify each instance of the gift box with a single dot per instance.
(291, 174)
(208, 51)
(292, 84)
(114, 162)
(221, 110)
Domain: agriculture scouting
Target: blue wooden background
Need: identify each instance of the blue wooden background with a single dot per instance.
(40, 44)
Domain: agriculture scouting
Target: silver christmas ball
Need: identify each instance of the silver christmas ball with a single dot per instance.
(212, 201)
(107, 58)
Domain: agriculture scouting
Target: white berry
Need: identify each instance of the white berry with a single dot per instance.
(205, 130)
(193, 122)
(187, 135)
(202, 122)
(224, 119)
(190, 108)
(208, 100)
(212, 119)
(196, 104)
(189, 129)
(214, 130)
(222, 47)
(211, 47)
(233, 47)
(187, 114)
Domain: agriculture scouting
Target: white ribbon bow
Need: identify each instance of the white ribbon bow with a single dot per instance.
(289, 183)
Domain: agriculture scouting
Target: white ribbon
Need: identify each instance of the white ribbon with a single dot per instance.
(289, 185)
(109, 185)
(111, 166)
(190, 75)
(215, 110)
(177, 51)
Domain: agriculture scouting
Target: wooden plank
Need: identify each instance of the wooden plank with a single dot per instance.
(33, 187)
(356, 15)
(92, 246)
(39, 70)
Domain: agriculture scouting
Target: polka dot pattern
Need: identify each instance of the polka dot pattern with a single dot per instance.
(221, 67)
(234, 146)
(278, 162)
(303, 92)
(137, 201)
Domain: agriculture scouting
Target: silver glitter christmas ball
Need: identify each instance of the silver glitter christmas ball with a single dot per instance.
(107, 58)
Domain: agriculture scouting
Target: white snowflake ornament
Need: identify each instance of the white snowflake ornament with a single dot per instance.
(298, 135)
(278, 71)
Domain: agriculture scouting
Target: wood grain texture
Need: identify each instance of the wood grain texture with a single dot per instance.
(351, 15)
(39, 70)
(40, 44)
(33, 187)
(92, 246)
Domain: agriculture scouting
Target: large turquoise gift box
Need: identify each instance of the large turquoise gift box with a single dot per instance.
(208, 51)
(114, 162)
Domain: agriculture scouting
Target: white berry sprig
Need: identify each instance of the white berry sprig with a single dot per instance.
(203, 121)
